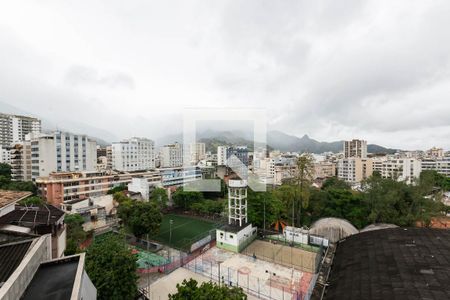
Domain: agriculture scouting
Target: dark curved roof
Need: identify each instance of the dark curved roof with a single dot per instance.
(394, 263)
(11, 256)
(33, 215)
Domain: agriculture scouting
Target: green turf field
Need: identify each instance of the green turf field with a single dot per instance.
(184, 230)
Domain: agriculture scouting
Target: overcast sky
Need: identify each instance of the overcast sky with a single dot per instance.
(377, 70)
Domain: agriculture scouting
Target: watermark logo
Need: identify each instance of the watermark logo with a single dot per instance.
(234, 157)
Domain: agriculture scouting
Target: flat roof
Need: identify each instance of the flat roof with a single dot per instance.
(8, 197)
(53, 280)
(393, 263)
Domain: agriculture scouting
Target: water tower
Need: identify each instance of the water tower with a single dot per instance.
(237, 202)
(238, 233)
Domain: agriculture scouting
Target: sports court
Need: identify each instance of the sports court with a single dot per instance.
(185, 230)
(148, 259)
(283, 254)
(259, 278)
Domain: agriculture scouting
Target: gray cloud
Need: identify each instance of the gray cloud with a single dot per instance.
(379, 70)
(82, 75)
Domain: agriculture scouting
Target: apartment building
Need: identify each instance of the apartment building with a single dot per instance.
(222, 155)
(402, 169)
(440, 165)
(355, 148)
(171, 156)
(197, 152)
(109, 157)
(435, 152)
(175, 177)
(135, 154)
(14, 128)
(67, 187)
(324, 169)
(21, 161)
(5, 154)
(377, 163)
(62, 152)
(354, 169)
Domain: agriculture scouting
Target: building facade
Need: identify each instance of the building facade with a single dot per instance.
(197, 152)
(66, 187)
(222, 155)
(324, 169)
(171, 156)
(355, 148)
(440, 165)
(403, 169)
(353, 170)
(135, 154)
(14, 128)
(21, 161)
(62, 152)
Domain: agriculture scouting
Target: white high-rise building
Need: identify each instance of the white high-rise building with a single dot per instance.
(197, 152)
(171, 156)
(355, 148)
(222, 155)
(402, 169)
(133, 154)
(14, 128)
(440, 165)
(62, 152)
(5, 154)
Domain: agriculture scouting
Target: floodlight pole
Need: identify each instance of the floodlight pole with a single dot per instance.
(170, 231)
(264, 231)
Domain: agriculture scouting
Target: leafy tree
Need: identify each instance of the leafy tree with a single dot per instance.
(189, 289)
(335, 183)
(28, 186)
(71, 247)
(5, 170)
(145, 218)
(208, 207)
(390, 201)
(185, 199)
(260, 202)
(302, 180)
(119, 188)
(4, 181)
(120, 197)
(159, 195)
(112, 268)
(32, 200)
(75, 233)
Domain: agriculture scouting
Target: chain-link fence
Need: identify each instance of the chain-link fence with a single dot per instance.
(271, 287)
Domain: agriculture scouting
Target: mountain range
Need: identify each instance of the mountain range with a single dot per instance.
(275, 140)
(212, 138)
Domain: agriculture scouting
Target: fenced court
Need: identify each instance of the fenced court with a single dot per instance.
(185, 231)
(284, 255)
(258, 278)
(147, 259)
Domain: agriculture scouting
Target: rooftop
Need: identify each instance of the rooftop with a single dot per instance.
(53, 280)
(12, 251)
(393, 263)
(33, 215)
(9, 197)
